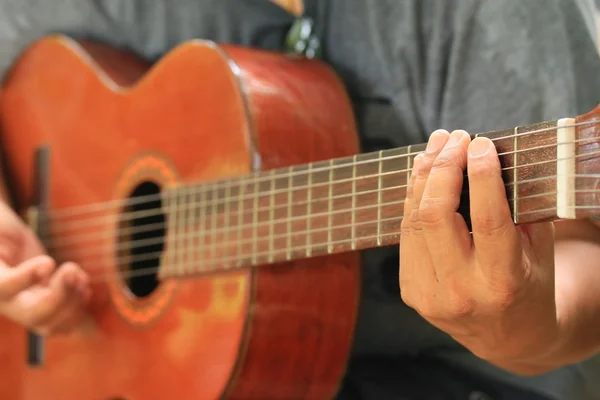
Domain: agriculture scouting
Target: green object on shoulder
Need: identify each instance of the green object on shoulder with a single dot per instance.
(302, 39)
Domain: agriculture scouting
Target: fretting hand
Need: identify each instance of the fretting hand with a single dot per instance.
(33, 292)
(494, 291)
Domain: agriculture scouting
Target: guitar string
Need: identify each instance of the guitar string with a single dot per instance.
(144, 228)
(240, 264)
(249, 178)
(218, 246)
(151, 227)
(61, 228)
(133, 244)
(255, 239)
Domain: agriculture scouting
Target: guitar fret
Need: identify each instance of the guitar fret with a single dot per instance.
(213, 229)
(227, 219)
(393, 172)
(240, 223)
(201, 211)
(308, 210)
(330, 208)
(190, 230)
(290, 191)
(379, 192)
(353, 213)
(255, 220)
(181, 209)
(515, 198)
(528, 166)
(272, 217)
(168, 261)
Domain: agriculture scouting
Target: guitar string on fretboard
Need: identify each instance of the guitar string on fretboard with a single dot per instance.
(315, 206)
(507, 142)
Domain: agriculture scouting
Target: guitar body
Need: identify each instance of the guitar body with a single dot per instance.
(12, 359)
(115, 125)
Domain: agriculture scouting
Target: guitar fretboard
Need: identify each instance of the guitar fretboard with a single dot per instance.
(345, 204)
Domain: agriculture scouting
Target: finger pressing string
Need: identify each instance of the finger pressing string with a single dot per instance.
(494, 232)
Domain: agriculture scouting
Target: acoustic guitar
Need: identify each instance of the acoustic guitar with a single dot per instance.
(218, 200)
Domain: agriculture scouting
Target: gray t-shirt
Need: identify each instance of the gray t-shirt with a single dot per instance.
(476, 65)
(411, 66)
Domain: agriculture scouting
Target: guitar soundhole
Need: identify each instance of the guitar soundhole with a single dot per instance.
(142, 239)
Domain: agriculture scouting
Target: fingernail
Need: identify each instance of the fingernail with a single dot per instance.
(479, 147)
(436, 142)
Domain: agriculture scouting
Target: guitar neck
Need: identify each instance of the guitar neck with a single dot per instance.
(355, 203)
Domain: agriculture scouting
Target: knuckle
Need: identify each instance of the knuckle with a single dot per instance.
(410, 187)
(414, 216)
(458, 302)
(503, 297)
(447, 160)
(424, 168)
(483, 170)
(405, 227)
(488, 225)
(415, 219)
(458, 305)
(431, 210)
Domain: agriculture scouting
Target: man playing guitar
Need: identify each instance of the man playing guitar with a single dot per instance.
(526, 325)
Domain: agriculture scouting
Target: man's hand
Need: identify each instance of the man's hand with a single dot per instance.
(493, 292)
(33, 292)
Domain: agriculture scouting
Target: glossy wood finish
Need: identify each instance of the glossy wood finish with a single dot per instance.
(205, 113)
(12, 359)
(282, 331)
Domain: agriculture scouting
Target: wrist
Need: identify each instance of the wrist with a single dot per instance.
(524, 368)
(551, 350)
(530, 349)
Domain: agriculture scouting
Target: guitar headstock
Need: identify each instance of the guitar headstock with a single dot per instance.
(586, 174)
